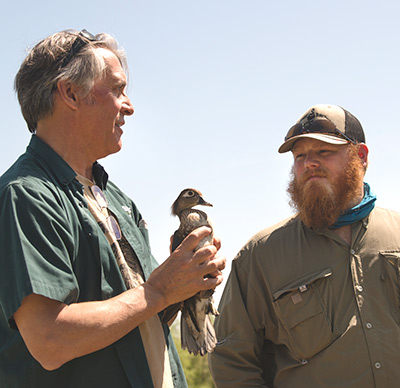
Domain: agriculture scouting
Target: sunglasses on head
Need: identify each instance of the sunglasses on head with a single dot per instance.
(82, 39)
(316, 126)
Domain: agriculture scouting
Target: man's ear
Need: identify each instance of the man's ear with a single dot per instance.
(363, 154)
(68, 93)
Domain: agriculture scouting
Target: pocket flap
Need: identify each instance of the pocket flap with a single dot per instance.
(392, 257)
(301, 284)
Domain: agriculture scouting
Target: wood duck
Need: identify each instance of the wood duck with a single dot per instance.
(197, 332)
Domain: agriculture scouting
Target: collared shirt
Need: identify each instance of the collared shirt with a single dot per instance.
(52, 246)
(303, 309)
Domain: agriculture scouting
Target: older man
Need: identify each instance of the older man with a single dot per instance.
(79, 289)
(315, 300)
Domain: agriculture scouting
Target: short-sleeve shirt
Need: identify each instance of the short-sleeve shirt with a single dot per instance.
(52, 246)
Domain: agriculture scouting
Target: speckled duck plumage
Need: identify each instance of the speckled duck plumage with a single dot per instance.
(197, 332)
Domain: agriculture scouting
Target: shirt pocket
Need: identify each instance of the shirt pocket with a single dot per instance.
(301, 312)
(390, 264)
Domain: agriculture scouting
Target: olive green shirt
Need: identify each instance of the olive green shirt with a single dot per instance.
(52, 246)
(303, 309)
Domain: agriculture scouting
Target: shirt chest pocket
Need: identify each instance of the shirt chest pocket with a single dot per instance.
(390, 264)
(306, 329)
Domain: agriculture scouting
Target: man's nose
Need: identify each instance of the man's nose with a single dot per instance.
(311, 161)
(127, 107)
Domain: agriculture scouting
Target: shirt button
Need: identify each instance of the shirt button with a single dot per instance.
(369, 325)
(378, 365)
(352, 251)
(360, 288)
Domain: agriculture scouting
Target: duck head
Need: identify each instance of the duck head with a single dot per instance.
(187, 199)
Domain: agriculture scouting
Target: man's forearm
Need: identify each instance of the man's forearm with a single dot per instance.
(56, 333)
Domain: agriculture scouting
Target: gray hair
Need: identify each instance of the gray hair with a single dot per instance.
(36, 80)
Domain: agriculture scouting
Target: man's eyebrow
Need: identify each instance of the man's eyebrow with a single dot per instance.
(118, 83)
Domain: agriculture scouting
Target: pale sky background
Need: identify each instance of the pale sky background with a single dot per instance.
(215, 86)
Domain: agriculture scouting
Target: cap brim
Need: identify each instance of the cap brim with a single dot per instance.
(288, 144)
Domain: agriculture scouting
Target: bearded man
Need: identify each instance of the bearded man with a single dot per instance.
(315, 300)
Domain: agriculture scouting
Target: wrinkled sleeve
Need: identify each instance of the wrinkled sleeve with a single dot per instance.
(240, 358)
(37, 247)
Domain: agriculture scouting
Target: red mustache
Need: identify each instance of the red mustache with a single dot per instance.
(315, 173)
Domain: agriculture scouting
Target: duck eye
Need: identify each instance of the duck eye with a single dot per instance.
(188, 194)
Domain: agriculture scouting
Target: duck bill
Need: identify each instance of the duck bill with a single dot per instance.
(203, 202)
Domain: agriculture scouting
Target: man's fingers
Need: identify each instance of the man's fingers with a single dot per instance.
(212, 282)
(219, 262)
(217, 242)
(204, 255)
(192, 240)
(216, 263)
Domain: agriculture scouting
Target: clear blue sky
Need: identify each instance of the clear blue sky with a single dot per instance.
(216, 85)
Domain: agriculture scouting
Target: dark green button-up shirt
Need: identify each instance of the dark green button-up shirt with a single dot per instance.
(52, 246)
(303, 309)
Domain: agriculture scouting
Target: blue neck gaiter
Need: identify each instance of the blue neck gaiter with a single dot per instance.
(359, 211)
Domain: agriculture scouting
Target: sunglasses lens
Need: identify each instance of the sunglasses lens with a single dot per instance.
(102, 203)
(99, 196)
(77, 45)
(113, 225)
(86, 34)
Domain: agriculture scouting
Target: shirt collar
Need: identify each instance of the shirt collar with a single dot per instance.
(59, 166)
(100, 176)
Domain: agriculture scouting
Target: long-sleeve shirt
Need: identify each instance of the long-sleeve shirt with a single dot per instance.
(302, 308)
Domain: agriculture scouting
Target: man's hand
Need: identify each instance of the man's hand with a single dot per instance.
(187, 272)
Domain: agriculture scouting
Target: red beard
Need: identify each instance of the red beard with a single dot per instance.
(321, 202)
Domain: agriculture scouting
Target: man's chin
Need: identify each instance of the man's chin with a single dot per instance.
(111, 151)
(318, 184)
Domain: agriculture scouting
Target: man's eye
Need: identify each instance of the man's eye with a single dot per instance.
(120, 90)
